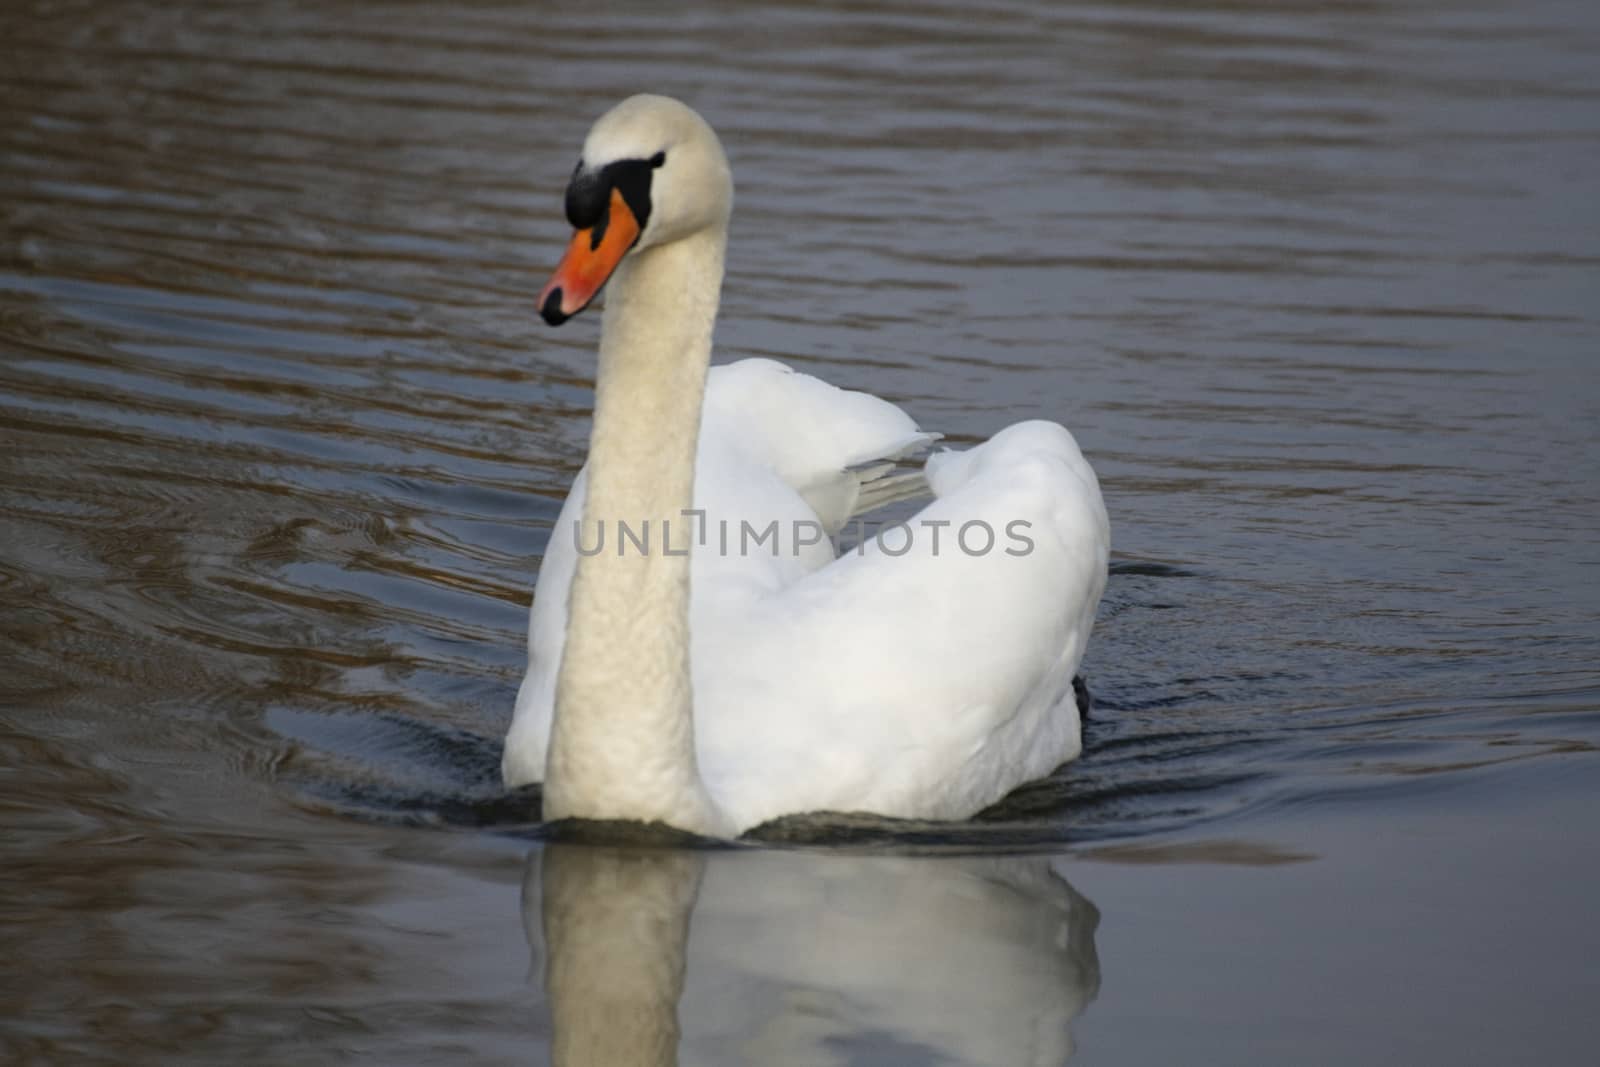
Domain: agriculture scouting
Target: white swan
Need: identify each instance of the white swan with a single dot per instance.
(924, 684)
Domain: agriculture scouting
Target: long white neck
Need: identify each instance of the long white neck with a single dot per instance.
(622, 741)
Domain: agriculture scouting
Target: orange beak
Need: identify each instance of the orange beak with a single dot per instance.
(591, 257)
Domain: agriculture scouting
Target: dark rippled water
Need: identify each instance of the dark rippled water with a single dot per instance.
(281, 442)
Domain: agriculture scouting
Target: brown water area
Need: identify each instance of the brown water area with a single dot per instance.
(1317, 287)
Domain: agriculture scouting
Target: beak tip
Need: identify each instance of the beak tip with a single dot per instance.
(550, 309)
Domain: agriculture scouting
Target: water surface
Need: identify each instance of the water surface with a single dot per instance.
(283, 441)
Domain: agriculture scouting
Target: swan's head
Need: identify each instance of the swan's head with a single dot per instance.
(652, 172)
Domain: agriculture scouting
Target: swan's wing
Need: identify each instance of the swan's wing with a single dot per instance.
(914, 677)
(837, 448)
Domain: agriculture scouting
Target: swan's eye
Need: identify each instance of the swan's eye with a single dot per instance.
(658, 159)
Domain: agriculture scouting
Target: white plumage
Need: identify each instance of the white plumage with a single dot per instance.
(925, 674)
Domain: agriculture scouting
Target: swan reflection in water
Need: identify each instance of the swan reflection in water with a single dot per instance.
(757, 956)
